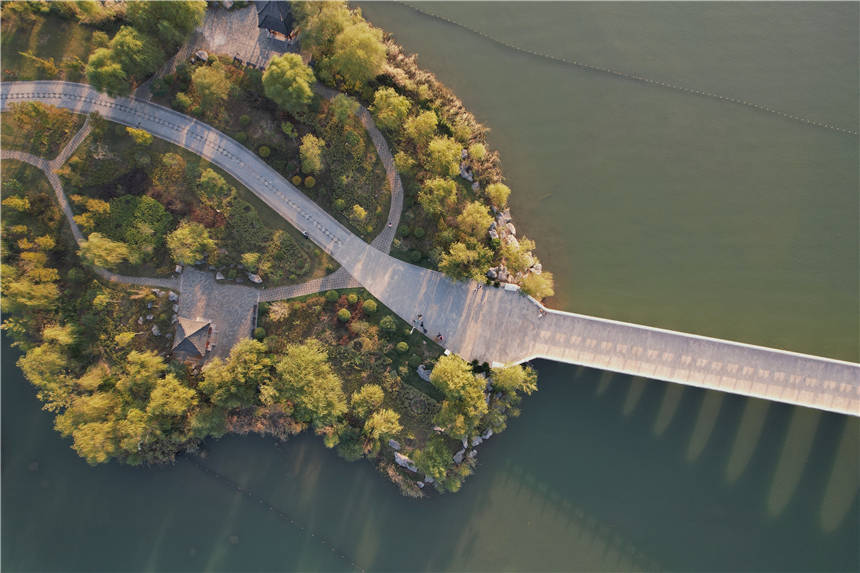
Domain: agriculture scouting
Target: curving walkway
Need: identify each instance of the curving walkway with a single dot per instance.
(488, 324)
(48, 168)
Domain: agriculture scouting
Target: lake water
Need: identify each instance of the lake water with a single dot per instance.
(650, 206)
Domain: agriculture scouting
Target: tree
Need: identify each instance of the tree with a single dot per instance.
(464, 403)
(235, 382)
(474, 219)
(343, 108)
(321, 22)
(358, 55)
(366, 400)
(140, 371)
(435, 460)
(344, 315)
(100, 251)
(189, 243)
(358, 214)
(140, 136)
(212, 87)
(171, 398)
(306, 379)
(421, 128)
(498, 194)
(138, 54)
(106, 74)
(382, 424)
(251, 261)
(517, 255)
(438, 195)
(289, 83)
(464, 260)
(477, 151)
(390, 109)
(310, 152)
(170, 22)
(443, 156)
(517, 378)
(369, 306)
(213, 189)
(538, 286)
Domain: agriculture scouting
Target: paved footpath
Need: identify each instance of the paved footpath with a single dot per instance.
(487, 324)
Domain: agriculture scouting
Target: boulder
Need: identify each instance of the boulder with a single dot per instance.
(512, 240)
(458, 457)
(511, 229)
(537, 268)
(219, 276)
(175, 308)
(423, 373)
(492, 274)
(254, 278)
(488, 434)
(140, 320)
(405, 462)
(465, 443)
(394, 444)
(420, 484)
(476, 441)
(428, 479)
(149, 316)
(155, 330)
(439, 429)
(178, 269)
(173, 297)
(149, 305)
(464, 154)
(493, 234)
(473, 454)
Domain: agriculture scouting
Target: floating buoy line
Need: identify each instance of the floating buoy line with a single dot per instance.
(284, 516)
(632, 76)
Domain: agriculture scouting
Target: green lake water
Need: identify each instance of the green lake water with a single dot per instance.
(649, 205)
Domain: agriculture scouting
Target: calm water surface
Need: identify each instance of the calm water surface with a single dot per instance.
(650, 206)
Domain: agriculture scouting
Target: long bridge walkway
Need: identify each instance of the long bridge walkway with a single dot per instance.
(487, 324)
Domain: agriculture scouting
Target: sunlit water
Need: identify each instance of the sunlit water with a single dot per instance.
(649, 206)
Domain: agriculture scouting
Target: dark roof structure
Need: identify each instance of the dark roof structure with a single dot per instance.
(275, 17)
(191, 337)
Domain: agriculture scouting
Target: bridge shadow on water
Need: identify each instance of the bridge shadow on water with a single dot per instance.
(600, 472)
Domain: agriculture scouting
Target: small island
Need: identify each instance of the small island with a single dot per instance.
(160, 302)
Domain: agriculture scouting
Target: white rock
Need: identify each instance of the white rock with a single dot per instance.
(173, 297)
(149, 316)
(219, 276)
(140, 320)
(178, 269)
(488, 434)
(420, 484)
(473, 454)
(465, 443)
(405, 462)
(476, 441)
(511, 229)
(155, 330)
(254, 278)
(394, 444)
(458, 457)
(175, 308)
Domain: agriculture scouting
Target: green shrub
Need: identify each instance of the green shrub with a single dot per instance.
(259, 333)
(343, 315)
(288, 129)
(244, 120)
(352, 298)
(241, 137)
(414, 361)
(310, 181)
(415, 256)
(388, 324)
(182, 101)
(418, 233)
(297, 180)
(264, 151)
(369, 306)
(331, 295)
(403, 231)
(402, 347)
(339, 204)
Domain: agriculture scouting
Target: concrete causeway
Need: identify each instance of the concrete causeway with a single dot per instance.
(487, 324)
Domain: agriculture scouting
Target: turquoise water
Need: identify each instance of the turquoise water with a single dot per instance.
(649, 206)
